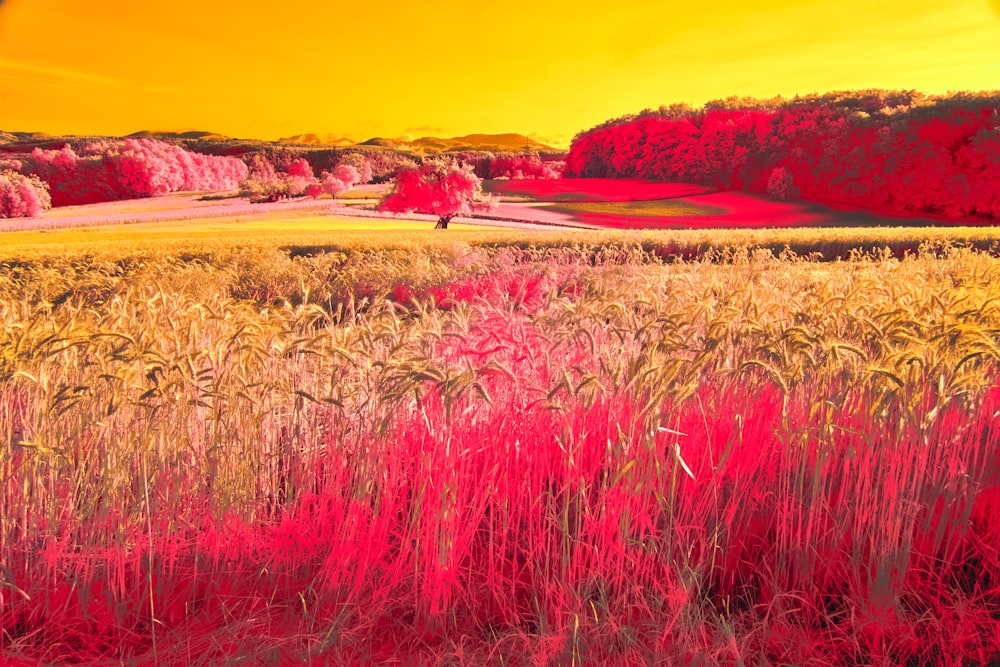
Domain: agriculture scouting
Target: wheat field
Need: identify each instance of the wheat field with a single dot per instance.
(479, 451)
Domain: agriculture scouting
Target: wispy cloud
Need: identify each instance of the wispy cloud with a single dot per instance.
(13, 67)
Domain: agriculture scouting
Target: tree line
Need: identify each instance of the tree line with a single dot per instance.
(899, 150)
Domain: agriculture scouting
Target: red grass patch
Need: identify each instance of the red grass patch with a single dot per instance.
(721, 210)
(740, 210)
(593, 189)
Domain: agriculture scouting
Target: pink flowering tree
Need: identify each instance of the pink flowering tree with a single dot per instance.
(22, 196)
(437, 188)
(301, 179)
(341, 179)
(299, 167)
(360, 163)
(296, 186)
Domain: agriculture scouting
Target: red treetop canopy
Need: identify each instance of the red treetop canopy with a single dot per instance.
(437, 188)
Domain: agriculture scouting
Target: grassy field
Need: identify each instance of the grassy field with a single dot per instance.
(303, 442)
(633, 204)
(305, 232)
(281, 228)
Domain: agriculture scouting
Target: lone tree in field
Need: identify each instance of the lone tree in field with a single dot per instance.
(437, 188)
(341, 179)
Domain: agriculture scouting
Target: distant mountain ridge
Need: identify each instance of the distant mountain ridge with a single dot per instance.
(197, 135)
(471, 142)
(211, 141)
(18, 137)
(511, 142)
(312, 139)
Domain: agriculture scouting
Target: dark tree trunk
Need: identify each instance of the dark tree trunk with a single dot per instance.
(443, 222)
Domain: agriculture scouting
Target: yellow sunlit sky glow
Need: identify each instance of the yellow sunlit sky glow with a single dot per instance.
(547, 69)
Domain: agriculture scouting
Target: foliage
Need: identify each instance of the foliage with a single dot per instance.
(437, 188)
(506, 165)
(265, 184)
(781, 185)
(124, 169)
(895, 150)
(301, 169)
(360, 164)
(524, 166)
(341, 179)
(385, 164)
(22, 196)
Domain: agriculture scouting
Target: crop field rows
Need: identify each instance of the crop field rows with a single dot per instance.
(470, 452)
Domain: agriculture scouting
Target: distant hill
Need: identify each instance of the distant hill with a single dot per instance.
(316, 140)
(382, 143)
(12, 137)
(196, 135)
(471, 142)
(501, 142)
(218, 144)
(22, 142)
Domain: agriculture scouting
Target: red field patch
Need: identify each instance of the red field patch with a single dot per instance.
(722, 209)
(593, 189)
(634, 204)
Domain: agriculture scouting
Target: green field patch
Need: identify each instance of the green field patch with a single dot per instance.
(375, 191)
(659, 208)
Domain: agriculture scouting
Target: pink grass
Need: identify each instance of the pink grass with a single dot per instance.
(166, 208)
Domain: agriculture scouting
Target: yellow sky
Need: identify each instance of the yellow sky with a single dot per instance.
(547, 68)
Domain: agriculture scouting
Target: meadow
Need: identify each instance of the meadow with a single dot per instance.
(638, 204)
(323, 445)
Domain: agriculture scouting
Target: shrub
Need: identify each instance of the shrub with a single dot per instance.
(523, 166)
(22, 196)
(781, 184)
(361, 164)
(264, 184)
